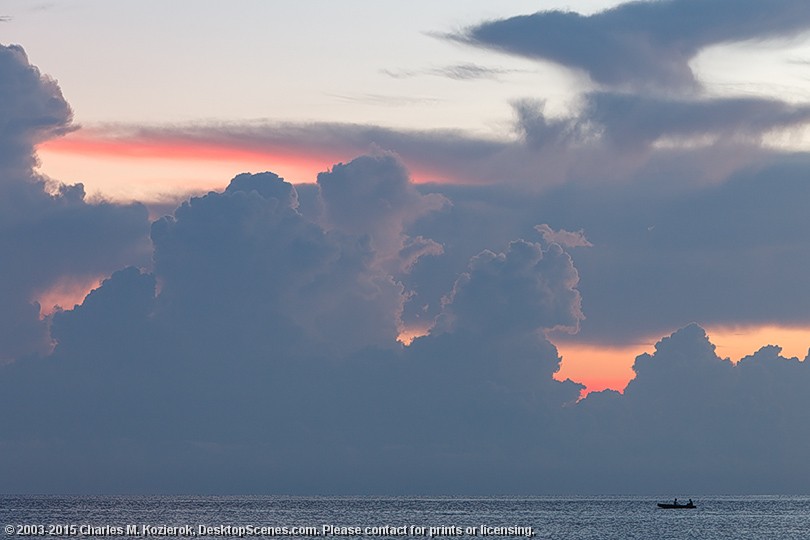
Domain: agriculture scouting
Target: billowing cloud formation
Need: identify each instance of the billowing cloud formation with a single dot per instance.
(249, 251)
(260, 311)
(521, 290)
(373, 196)
(32, 110)
(262, 348)
(626, 169)
(143, 402)
(640, 44)
(48, 232)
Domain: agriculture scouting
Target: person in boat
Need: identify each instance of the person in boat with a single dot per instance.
(676, 501)
(690, 502)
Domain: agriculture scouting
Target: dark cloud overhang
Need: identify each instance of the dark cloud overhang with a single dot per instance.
(639, 44)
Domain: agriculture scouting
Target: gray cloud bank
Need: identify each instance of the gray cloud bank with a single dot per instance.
(262, 350)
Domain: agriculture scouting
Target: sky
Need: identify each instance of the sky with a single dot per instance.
(365, 247)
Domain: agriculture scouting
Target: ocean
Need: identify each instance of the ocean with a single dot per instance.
(341, 518)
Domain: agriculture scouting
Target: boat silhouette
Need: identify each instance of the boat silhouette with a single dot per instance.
(675, 504)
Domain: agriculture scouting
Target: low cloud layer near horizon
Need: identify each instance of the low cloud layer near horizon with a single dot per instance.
(252, 334)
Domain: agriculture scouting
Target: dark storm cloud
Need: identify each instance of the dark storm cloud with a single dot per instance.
(48, 232)
(640, 44)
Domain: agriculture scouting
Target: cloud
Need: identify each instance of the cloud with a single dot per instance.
(466, 72)
(261, 346)
(389, 100)
(32, 108)
(563, 237)
(625, 168)
(219, 340)
(264, 340)
(671, 244)
(608, 138)
(639, 44)
(523, 289)
(627, 122)
(458, 72)
(631, 120)
(248, 251)
(373, 196)
(467, 409)
(48, 232)
(443, 154)
(690, 420)
(254, 310)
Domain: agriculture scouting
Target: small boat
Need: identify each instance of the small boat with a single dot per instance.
(690, 504)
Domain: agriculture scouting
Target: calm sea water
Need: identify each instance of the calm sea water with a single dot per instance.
(341, 518)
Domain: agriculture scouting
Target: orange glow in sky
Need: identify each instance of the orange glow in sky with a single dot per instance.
(599, 367)
(410, 333)
(737, 342)
(66, 293)
(135, 168)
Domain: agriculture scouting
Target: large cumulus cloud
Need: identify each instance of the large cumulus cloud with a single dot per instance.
(249, 251)
(261, 327)
(262, 349)
(48, 231)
